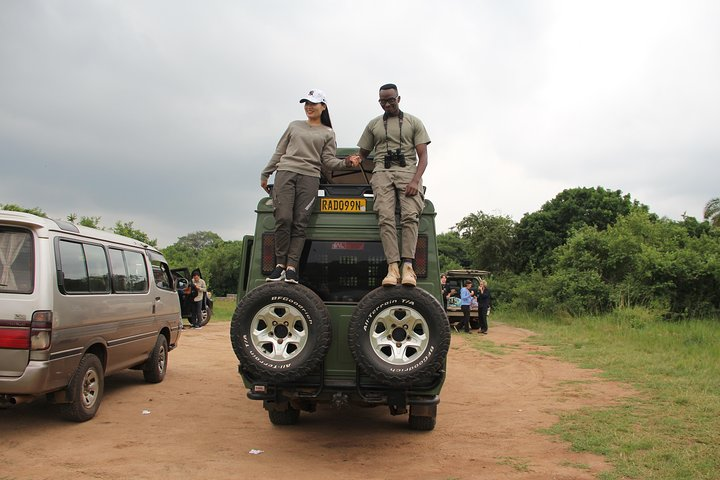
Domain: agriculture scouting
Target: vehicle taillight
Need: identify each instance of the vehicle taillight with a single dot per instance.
(13, 335)
(268, 253)
(421, 256)
(41, 330)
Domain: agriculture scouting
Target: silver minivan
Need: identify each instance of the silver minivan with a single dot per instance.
(78, 304)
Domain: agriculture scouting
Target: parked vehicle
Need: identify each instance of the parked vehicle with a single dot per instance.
(78, 304)
(187, 293)
(338, 337)
(455, 280)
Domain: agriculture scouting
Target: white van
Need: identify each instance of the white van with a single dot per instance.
(77, 304)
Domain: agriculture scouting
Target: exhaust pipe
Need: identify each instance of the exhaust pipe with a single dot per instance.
(8, 400)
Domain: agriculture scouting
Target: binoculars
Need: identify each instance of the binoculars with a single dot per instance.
(395, 157)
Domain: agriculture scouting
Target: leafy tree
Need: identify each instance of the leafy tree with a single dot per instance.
(17, 208)
(712, 212)
(92, 222)
(128, 230)
(199, 240)
(453, 251)
(490, 239)
(539, 233)
(222, 264)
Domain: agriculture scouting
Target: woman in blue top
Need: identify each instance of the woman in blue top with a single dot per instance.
(466, 294)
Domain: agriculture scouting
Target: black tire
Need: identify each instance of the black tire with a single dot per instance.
(284, 417)
(399, 335)
(280, 332)
(424, 424)
(85, 390)
(205, 316)
(156, 366)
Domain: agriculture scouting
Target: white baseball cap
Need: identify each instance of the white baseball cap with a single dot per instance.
(314, 96)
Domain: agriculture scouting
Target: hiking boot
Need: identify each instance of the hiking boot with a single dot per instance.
(393, 276)
(277, 274)
(409, 279)
(291, 275)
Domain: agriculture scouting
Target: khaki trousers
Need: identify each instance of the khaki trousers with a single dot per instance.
(385, 184)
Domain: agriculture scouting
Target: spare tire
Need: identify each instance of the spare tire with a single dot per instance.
(280, 332)
(399, 335)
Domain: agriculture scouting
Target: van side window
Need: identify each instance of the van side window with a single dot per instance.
(17, 261)
(84, 268)
(161, 274)
(129, 272)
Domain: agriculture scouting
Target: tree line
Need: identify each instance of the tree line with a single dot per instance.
(586, 251)
(592, 250)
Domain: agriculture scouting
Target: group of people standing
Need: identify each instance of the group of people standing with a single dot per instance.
(469, 295)
(399, 141)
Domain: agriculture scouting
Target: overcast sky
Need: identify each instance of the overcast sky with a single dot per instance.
(164, 112)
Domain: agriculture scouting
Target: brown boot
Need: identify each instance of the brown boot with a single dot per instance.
(408, 275)
(393, 276)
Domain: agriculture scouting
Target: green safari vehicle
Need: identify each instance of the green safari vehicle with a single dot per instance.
(339, 337)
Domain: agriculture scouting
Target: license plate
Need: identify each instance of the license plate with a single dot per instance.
(342, 205)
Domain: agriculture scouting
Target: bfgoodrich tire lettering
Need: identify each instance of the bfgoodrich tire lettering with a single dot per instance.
(399, 335)
(280, 332)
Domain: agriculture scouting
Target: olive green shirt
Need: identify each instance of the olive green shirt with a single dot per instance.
(304, 149)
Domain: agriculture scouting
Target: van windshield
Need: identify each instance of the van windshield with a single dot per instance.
(17, 261)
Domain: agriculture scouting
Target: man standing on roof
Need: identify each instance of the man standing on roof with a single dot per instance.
(400, 142)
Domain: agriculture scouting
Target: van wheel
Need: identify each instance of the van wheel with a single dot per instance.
(399, 335)
(85, 390)
(156, 366)
(280, 332)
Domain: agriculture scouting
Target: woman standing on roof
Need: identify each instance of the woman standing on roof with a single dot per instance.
(305, 147)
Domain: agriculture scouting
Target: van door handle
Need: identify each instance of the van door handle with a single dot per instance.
(157, 299)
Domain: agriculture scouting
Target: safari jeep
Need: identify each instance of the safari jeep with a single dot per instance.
(339, 337)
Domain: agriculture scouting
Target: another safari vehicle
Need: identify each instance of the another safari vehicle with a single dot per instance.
(339, 337)
(77, 304)
(187, 294)
(455, 280)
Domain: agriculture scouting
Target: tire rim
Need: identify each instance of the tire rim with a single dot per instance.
(90, 388)
(162, 358)
(279, 332)
(399, 335)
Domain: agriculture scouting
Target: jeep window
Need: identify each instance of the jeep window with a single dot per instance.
(342, 271)
(17, 261)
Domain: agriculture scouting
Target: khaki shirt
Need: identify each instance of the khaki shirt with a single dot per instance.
(413, 133)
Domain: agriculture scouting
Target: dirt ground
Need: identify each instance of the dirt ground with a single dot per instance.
(199, 424)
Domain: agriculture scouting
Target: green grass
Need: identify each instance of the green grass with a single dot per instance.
(223, 309)
(671, 429)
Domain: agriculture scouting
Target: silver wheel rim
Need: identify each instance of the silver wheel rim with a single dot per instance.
(91, 385)
(279, 332)
(162, 358)
(399, 335)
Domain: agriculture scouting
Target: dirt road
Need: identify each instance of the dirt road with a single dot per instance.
(198, 424)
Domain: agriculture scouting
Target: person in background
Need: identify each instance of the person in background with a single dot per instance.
(199, 287)
(443, 282)
(484, 304)
(400, 143)
(466, 295)
(303, 149)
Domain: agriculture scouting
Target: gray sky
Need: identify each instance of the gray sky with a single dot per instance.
(164, 112)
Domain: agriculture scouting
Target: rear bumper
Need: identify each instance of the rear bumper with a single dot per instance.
(35, 380)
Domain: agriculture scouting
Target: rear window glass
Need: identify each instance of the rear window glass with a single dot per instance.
(342, 271)
(17, 261)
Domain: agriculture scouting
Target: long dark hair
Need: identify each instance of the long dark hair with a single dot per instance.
(325, 117)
